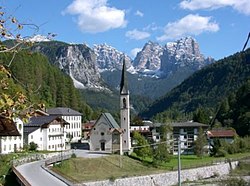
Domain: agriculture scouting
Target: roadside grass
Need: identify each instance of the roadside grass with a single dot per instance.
(107, 167)
(243, 169)
(92, 169)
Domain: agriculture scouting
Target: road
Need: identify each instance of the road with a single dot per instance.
(37, 176)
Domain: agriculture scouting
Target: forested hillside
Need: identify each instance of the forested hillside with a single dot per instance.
(205, 88)
(42, 82)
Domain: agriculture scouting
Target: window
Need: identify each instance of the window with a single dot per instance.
(102, 133)
(31, 136)
(20, 126)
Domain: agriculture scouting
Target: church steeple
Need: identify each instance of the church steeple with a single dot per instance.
(125, 110)
(124, 82)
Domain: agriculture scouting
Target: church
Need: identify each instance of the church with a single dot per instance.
(106, 135)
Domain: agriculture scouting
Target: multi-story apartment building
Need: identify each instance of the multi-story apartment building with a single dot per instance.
(74, 118)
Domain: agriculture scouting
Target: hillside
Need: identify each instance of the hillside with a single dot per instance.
(205, 88)
(43, 82)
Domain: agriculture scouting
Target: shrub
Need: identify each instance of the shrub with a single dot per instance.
(73, 155)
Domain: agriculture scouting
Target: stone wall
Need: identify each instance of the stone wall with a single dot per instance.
(169, 178)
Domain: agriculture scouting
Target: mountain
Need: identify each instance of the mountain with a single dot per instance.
(42, 82)
(206, 87)
(109, 59)
(76, 60)
(148, 60)
(183, 53)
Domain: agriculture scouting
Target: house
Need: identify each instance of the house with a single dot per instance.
(225, 134)
(105, 134)
(74, 118)
(186, 132)
(11, 135)
(47, 132)
(86, 128)
(143, 130)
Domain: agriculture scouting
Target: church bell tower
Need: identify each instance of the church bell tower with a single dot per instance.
(125, 110)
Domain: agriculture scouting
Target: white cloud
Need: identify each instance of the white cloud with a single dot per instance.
(96, 16)
(151, 27)
(134, 52)
(137, 35)
(139, 13)
(188, 25)
(243, 6)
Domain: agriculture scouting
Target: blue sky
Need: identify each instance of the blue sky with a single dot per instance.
(219, 26)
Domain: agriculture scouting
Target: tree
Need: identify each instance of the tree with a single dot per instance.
(199, 143)
(161, 151)
(11, 103)
(142, 148)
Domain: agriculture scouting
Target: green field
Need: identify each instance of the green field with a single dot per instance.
(111, 167)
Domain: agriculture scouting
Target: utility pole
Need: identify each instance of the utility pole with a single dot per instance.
(179, 161)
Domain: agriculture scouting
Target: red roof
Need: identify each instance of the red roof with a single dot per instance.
(221, 133)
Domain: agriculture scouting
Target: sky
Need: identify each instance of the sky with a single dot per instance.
(219, 26)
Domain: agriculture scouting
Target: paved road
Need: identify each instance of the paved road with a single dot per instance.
(37, 176)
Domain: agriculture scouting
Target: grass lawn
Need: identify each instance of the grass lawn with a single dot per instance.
(84, 169)
(108, 167)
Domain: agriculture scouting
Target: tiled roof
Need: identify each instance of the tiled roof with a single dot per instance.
(63, 111)
(221, 133)
(8, 127)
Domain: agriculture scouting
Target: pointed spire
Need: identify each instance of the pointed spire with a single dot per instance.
(124, 82)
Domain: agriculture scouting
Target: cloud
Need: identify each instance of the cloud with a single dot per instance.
(139, 13)
(188, 25)
(137, 35)
(243, 6)
(134, 52)
(151, 27)
(95, 16)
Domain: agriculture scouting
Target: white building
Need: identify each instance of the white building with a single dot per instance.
(11, 137)
(74, 118)
(105, 135)
(47, 132)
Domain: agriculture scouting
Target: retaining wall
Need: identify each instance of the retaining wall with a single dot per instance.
(169, 178)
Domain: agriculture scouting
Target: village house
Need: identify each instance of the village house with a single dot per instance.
(224, 134)
(48, 132)
(11, 135)
(105, 134)
(74, 118)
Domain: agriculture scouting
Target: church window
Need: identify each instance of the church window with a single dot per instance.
(124, 103)
(124, 118)
(94, 128)
(125, 141)
(102, 133)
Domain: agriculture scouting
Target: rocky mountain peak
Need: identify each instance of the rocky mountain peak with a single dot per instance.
(108, 58)
(148, 59)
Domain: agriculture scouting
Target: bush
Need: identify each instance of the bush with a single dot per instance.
(33, 146)
(73, 155)
(221, 153)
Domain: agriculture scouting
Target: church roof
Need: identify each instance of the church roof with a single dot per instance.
(124, 82)
(110, 120)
